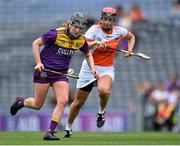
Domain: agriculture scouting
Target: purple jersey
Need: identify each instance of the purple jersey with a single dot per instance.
(173, 85)
(59, 48)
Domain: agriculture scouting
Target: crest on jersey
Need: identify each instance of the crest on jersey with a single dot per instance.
(116, 40)
(99, 39)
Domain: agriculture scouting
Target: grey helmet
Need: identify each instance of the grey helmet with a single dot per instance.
(79, 19)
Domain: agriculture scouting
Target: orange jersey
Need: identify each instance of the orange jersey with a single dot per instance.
(105, 56)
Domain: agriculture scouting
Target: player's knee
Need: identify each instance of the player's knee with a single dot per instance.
(62, 102)
(104, 93)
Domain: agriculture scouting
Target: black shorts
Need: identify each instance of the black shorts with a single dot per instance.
(88, 88)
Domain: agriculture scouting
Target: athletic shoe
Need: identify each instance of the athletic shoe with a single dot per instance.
(15, 107)
(67, 133)
(50, 136)
(100, 120)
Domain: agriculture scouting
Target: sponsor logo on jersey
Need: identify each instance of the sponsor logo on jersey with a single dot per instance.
(109, 36)
(68, 52)
(99, 39)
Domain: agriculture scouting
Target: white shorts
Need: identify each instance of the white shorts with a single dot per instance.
(86, 77)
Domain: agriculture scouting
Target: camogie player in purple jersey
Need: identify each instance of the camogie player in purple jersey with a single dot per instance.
(59, 46)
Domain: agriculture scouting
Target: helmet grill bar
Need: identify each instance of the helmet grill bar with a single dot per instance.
(78, 19)
(108, 15)
(79, 23)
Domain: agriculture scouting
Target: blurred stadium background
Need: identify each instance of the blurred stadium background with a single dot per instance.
(158, 35)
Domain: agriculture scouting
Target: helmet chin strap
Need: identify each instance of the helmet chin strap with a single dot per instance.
(73, 36)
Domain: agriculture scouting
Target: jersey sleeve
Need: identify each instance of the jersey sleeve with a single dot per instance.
(90, 34)
(124, 32)
(49, 37)
(85, 48)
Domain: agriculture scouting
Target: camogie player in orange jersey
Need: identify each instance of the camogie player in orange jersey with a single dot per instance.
(99, 37)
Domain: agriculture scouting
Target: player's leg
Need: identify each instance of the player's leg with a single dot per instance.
(79, 100)
(61, 90)
(104, 85)
(35, 102)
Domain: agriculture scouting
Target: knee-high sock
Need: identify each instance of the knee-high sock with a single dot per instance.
(53, 124)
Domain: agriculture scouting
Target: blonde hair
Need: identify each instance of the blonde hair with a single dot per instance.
(67, 23)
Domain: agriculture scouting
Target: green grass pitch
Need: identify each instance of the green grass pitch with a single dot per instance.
(92, 138)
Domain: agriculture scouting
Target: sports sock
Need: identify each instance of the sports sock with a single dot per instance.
(101, 111)
(68, 126)
(53, 125)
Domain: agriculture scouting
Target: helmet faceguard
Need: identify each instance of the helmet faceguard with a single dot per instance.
(79, 20)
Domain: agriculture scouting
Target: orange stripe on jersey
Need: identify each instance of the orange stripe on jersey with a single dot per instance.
(105, 56)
